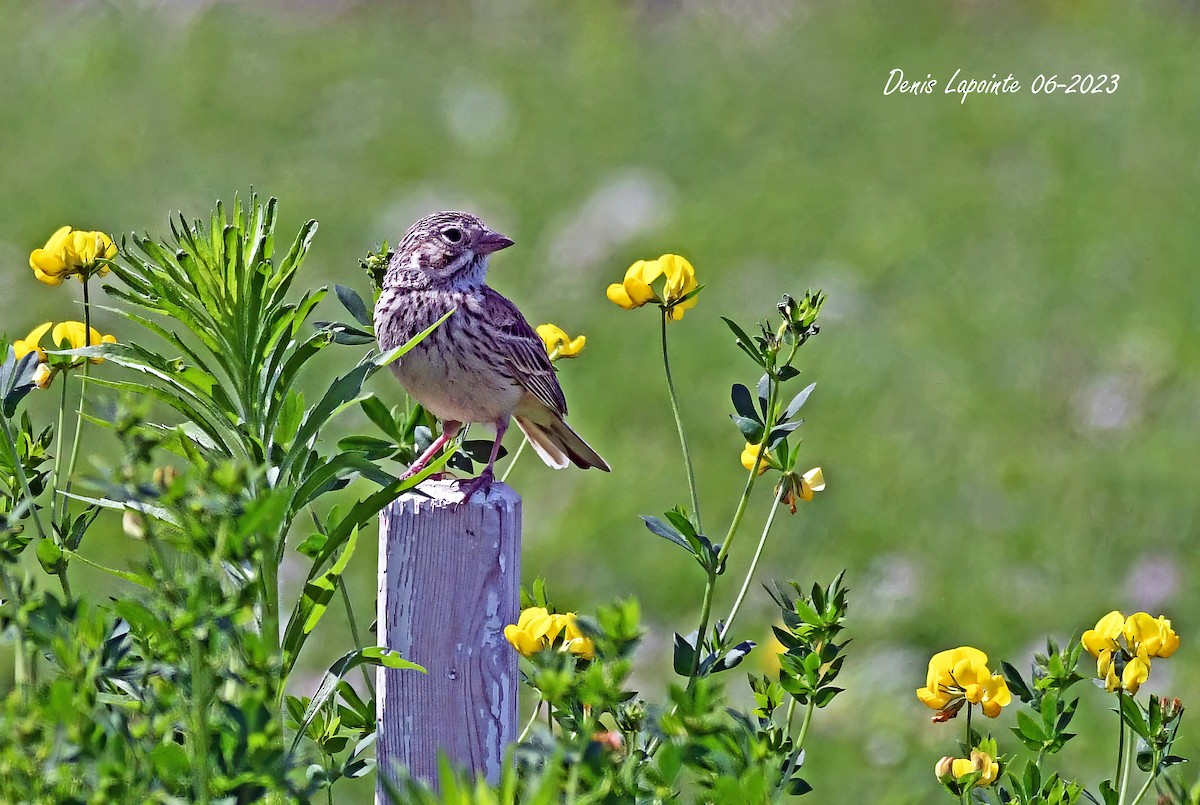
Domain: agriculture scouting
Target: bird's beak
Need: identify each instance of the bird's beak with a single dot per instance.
(489, 241)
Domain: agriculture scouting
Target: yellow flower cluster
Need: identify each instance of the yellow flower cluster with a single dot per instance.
(750, 453)
(1123, 647)
(558, 343)
(952, 769)
(538, 628)
(798, 487)
(678, 280)
(65, 335)
(960, 676)
(72, 252)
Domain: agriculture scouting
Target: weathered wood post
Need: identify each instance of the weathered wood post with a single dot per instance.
(449, 582)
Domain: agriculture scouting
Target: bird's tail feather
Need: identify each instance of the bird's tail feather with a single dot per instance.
(558, 445)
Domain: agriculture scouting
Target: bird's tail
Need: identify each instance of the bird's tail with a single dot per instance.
(558, 445)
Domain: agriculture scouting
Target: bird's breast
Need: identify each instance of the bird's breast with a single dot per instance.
(454, 371)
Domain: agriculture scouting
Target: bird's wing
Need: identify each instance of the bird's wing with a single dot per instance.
(520, 349)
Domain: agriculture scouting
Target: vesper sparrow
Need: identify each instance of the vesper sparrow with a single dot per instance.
(483, 364)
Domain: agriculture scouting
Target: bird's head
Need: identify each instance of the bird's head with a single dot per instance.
(444, 248)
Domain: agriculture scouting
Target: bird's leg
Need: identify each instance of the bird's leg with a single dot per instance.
(449, 430)
(485, 479)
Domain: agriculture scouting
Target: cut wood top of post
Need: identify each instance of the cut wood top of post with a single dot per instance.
(438, 493)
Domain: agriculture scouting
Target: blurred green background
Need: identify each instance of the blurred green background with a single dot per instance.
(1008, 386)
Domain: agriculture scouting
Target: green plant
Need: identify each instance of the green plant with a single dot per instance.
(184, 684)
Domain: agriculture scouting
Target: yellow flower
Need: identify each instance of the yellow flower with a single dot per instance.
(72, 253)
(750, 454)
(679, 279)
(533, 631)
(537, 629)
(558, 343)
(65, 335)
(800, 487)
(43, 376)
(1153, 635)
(32, 342)
(960, 676)
(979, 761)
(1123, 648)
(810, 482)
(574, 640)
(70, 335)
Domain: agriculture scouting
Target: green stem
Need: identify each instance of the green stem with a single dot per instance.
(537, 708)
(687, 453)
(808, 714)
(710, 586)
(1120, 741)
(11, 443)
(22, 678)
(969, 743)
(572, 783)
(735, 523)
(270, 614)
(341, 584)
(199, 738)
(762, 541)
(87, 369)
(1144, 789)
(1130, 751)
(358, 644)
(798, 746)
(513, 461)
(58, 445)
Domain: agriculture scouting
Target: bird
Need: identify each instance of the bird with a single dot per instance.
(485, 363)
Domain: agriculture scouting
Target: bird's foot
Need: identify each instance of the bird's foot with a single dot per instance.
(482, 483)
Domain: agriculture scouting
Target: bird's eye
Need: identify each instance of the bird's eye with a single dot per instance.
(452, 234)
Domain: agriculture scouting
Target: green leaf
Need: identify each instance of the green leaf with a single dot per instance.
(378, 413)
(746, 343)
(667, 532)
(751, 429)
(291, 414)
(354, 304)
(733, 657)
(1015, 683)
(134, 578)
(170, 761)
(1131, 713)
(312, 605)
(764, 394)
(684, 655)
(51, 557)
(1029, 730)
(312, 545)
(743, 403)
(370, 445)
(798, 402)
(374, 655)
(16, 380)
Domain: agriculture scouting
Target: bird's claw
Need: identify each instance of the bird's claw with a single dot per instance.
(483, 482)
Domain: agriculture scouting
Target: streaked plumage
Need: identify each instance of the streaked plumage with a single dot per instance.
(483, 364)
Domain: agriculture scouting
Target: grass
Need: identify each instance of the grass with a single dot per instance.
(1007, 373)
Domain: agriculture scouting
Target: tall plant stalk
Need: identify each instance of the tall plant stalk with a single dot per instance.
(683, 442)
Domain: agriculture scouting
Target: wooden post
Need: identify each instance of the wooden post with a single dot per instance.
(449, 582)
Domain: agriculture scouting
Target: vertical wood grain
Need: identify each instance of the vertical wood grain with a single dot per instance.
(449, 582)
